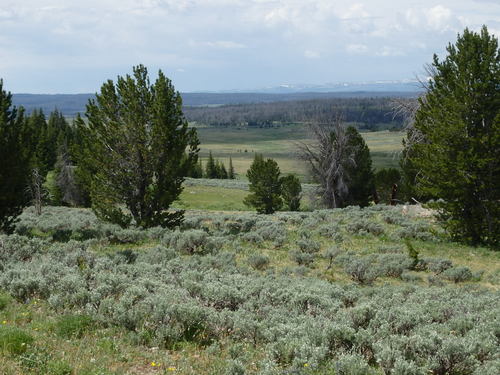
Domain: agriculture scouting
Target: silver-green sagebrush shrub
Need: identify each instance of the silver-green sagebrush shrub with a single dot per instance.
(190, 242)
(458, 274)
(302, 258)
(258, 262)
(308, 246)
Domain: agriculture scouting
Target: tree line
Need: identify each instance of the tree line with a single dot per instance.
(213, 169)
(367, 113)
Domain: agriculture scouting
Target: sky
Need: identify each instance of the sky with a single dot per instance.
(70, 46)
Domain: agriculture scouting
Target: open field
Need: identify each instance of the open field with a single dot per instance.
(225, 195)
(325, 292)
(280, 144)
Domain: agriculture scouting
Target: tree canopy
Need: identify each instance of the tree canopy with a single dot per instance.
(137, 148)
(14, 161)
(265, 185)
(459, 122)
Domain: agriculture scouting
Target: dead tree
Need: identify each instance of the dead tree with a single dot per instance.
(329, 158)
(37, 190)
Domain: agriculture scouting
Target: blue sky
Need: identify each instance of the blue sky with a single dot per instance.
(70, 46)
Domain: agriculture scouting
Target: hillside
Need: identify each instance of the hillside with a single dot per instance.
(71, 104)
(372, 291)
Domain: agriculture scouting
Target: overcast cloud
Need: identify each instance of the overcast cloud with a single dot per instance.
(49, 46)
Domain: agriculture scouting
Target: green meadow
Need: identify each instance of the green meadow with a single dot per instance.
(280, 143)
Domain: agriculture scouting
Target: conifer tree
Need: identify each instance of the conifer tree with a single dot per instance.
(210, 167)
(459, 119)
(265, 185)
(221, 170)
(291, 192)
(134, 150)
(230, 173)
(361, 182)
(14, 161)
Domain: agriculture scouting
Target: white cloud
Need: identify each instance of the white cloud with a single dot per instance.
(311, 54)
(439, 18)
(357, 48)
(386, 51)
(227, 40)
(224, 44)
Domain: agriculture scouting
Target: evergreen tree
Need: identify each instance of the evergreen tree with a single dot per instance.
(265, 185)
(221, 170)
(385, 179)
(210, 167)
(291, 192)
(459, 118)
(361, 183)
(36, 140)
(134, 147)
(197, 170)
(230, 174)
(14, 161)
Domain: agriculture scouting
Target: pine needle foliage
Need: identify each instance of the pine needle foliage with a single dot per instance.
(14, 161)
(459, 118)
(136, 150)
(265, 185)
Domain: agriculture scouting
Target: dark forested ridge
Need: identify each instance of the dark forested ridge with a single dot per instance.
(366, 113)
(71, 104)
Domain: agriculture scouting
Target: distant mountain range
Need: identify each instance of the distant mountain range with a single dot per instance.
(407, 86)
(71, 104)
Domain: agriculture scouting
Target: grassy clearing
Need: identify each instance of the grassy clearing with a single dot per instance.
(280, 144)
(224, 195)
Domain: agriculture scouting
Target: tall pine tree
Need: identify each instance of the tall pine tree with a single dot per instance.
(14, 161)
(230, 173)
(459, 118)
(361, 181)
(134, 150)
(265, 185)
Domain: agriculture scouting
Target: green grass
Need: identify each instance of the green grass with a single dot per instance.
(281, 144)
(212, 198)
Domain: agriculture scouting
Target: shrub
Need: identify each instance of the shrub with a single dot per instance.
(302, 259)
(361, 270)
(124, 236)
(69, 326)
(352, 364)
(13, 340)
(308, 246)
(235, 367)
(252, 237)
(270, 230)
(330, 254)
(393, 265)
(127, 256)
(362, 226)
(258, 262)
(436, 265)
(458, 274)
(410, 277)
(190, 242)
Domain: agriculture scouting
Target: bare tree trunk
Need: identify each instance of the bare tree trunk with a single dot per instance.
(36, 190)
(394, 193)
